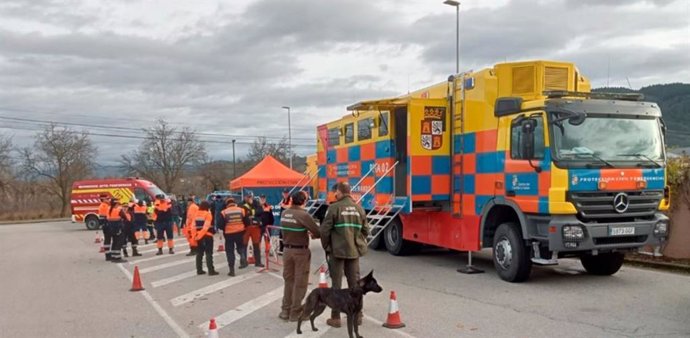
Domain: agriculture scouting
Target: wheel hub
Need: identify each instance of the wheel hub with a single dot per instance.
(504, 253)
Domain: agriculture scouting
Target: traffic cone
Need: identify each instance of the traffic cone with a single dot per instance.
(102, 249)
(393, 321)
(136, 281)
(98, 238)
(323, 283)
(250, 254)
(212, 329)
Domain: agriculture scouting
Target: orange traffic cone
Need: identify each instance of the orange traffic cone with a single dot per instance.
(98, 238)
(136, 281)
(102, 249)
(212, 329)
(323, 283)
(250, 254)
(393, 321)
(221, 247)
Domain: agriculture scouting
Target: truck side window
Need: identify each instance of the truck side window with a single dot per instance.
(383, 124)
(140, 194)
(364, 129)
(516, 137)
(334, 137)
(349, 133)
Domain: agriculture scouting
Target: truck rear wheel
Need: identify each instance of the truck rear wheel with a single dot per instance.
(393, 237)
(511, 255)
(92, 222)
(605, 264)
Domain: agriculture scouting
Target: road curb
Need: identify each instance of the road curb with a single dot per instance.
(675, 267)
(26, 221)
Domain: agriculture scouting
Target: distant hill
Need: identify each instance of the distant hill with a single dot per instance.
(674, 101)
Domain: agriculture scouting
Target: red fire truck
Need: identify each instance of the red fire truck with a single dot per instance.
(86, 196)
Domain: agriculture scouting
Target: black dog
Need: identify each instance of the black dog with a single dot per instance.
(349, 301)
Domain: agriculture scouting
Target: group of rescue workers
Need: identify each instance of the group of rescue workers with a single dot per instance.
(343, 233)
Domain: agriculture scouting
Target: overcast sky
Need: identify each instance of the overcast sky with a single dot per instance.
(227, 67)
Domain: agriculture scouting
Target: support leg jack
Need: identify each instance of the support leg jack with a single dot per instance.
(469, 268)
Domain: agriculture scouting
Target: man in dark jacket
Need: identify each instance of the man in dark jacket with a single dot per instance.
(344, 234)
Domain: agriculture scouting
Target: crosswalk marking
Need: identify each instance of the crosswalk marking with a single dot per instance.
(319, 322)
(196, 294)
(155, 258)
(174, 279)
(246, 309)
(171, 264)
(177, 245)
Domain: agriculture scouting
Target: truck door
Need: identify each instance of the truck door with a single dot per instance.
(400, 122)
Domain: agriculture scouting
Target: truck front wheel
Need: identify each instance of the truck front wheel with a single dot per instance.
(605, 264)
(511, 255)
(91, 222)
(393, 237)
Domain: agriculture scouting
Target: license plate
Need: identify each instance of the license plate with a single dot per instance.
(621, 231)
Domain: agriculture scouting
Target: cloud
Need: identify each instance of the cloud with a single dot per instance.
(227, 67)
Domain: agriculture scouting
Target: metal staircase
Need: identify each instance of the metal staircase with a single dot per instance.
(381, 216)
(313, 206)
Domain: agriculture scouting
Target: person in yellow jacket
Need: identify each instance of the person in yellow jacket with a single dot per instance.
(192, 208)
(203, 234)
(235, 219)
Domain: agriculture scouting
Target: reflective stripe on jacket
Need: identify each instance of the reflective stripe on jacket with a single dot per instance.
(115, 214)
(235, 219)
(202, 225)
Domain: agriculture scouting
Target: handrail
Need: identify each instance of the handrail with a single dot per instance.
(310, 179)
(364, 176)
(300, 182)
(377, 182)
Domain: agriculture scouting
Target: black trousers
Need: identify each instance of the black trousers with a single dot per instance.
(130, 235)
(118, 236)
(205, 246)
(107, 239)
(234, 242)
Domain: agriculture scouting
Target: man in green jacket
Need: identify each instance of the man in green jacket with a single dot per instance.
(344, 234)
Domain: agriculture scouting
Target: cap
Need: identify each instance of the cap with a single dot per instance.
(262, 196)
(286, 190)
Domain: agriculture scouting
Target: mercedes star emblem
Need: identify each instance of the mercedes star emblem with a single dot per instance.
(621, 202)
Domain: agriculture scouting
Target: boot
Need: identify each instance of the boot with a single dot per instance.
(200, 272)
(170, 251)
(124, 252)
(232, 271)
(212, 273)
(108, 258)
(135, 252)
(160, 252)
(257, 257)
(333, 322)
(284, 315)
(192, 252)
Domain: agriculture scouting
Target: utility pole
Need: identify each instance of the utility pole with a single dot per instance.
(234, 165)
(289, 136)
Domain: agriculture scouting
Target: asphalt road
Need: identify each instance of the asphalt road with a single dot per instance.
(55, 284)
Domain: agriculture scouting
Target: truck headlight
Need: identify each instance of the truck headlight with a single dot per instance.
(573, 233)
(661, 228)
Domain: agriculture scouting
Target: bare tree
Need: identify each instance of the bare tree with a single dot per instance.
(215, 174)
(5, 162)
(61, 156)
(262, 148)
(164, 154)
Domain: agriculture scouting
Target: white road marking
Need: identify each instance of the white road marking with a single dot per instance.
(380, 323)
(173, 325)
(176, 240)
(196, 294)
(171, 264)
(174, 279)
(177, 245)
(319, 322)
(246, 309)
(155, 258)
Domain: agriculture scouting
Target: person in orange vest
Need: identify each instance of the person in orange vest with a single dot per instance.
(103, 222)
(253, 230)
(115, 217)
(130, 233)
(192, 208)
(203, 234)
(233, 227)
(163, 222)
(140, 218)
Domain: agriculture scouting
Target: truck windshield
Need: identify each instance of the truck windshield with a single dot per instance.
(606, 139)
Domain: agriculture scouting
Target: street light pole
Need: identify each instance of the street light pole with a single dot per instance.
(289, 136)
(456, 4)
(234, 167)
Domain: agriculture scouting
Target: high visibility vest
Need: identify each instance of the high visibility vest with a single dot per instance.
(191, 211)
(103, 209)
(200, 220)
(114, 214)
(268, 208)
(233, 216)
(139, 209)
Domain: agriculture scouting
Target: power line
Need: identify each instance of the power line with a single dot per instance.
(88, 125)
